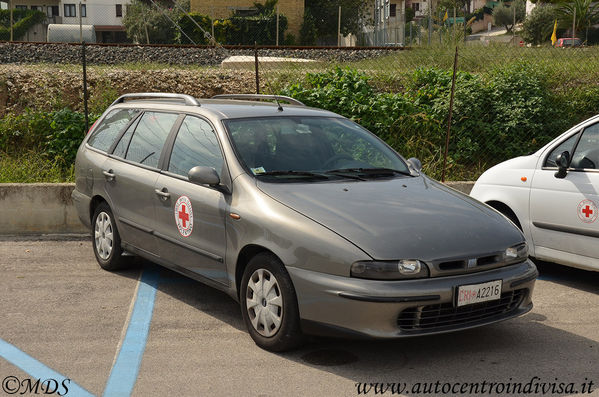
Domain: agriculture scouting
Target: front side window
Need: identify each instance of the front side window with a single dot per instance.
(83, 11)
(313, 144)
(565, 146)
(586, 154)
(149, 137)
(69, 10)
(19, 7)
(196, 145)
(119, 10)
(107, 131)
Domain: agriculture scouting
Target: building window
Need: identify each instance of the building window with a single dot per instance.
(37, 8)
(70, 10)
(83, 11)
(21, 7)
(393, 10)
(119, 10)
(416, 6)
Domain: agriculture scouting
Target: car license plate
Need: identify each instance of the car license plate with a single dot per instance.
(475, 293)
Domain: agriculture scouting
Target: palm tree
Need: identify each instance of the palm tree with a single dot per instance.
(587, 14)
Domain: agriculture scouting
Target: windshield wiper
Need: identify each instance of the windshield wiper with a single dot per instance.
(305, 174)
(370, 171)
(345, 174)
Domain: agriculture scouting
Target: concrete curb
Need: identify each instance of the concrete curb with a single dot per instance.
(47, 208)
(38, 208)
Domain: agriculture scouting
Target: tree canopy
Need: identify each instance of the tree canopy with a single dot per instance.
(326, 14)
(503, 14)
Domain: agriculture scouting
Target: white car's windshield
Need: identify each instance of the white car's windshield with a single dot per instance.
(299, 147)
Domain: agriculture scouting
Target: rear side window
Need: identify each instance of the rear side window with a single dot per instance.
(196, 145)
(149, 137)
(108, 130)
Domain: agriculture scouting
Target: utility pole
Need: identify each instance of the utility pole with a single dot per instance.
(277, 41)
(339, 29)
(514, 24)
(430, 21)
(573, 24)
(11, 19)
(80, 23)
(454, 25)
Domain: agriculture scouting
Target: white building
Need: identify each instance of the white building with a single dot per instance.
(105, 15)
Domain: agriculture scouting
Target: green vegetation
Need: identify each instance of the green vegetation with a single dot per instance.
(509, 101)
(509, 111)
(147, 24)
(503, 14)
(22, 21)
(40, 146)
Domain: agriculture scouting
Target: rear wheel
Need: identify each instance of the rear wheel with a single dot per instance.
(106, 239)
(269, 304)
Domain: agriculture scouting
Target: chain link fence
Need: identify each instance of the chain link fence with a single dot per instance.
(394, 76)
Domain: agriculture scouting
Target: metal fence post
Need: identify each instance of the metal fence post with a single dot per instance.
(455, 68)
(256, 67)
(11, 19)
(84, 63)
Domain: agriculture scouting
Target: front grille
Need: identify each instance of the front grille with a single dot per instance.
(445, 315)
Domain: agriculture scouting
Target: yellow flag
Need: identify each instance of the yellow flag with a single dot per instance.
(445, 17)
(554, 35)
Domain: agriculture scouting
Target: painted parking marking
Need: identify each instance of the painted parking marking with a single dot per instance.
(36, 369)
(125, 370)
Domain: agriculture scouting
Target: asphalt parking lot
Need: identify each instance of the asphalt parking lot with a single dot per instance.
(153, 332)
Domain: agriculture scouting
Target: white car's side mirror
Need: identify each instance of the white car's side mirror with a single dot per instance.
(563, 161)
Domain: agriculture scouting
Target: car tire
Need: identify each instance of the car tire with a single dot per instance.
(106, 240)
(272, 316)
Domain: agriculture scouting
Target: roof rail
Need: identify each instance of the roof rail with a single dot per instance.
(188, 99)
(259, 96)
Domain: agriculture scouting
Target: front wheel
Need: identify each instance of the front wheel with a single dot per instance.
(106, 239)
(269, 305)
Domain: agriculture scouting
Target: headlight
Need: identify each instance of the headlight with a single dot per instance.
(389, 270)
(516, 252)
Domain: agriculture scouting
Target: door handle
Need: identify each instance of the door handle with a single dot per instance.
(164, 195)
(109, 175)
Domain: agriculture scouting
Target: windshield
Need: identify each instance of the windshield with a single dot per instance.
(317, 147)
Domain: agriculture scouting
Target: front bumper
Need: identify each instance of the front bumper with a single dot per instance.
(334, 305)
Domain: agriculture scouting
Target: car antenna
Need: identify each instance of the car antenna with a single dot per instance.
(280, 108)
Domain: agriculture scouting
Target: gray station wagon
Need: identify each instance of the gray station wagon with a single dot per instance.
(307, 219)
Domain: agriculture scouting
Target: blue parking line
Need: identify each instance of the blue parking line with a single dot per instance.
(126, 367)
(37, 370)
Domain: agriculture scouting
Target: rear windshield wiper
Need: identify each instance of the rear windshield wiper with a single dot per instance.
(370, 171)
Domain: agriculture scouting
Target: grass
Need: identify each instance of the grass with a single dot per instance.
(31, 167)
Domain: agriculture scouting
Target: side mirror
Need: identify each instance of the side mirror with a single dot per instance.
(563, 161)
(203, 176)
(415, 163)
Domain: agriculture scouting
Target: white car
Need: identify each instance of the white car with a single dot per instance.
(552, 196)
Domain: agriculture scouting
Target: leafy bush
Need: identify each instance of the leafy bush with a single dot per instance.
(308, 31)
(55, 134)
(509, 113)
(503, 15)
(23, 20)
(538, 25)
